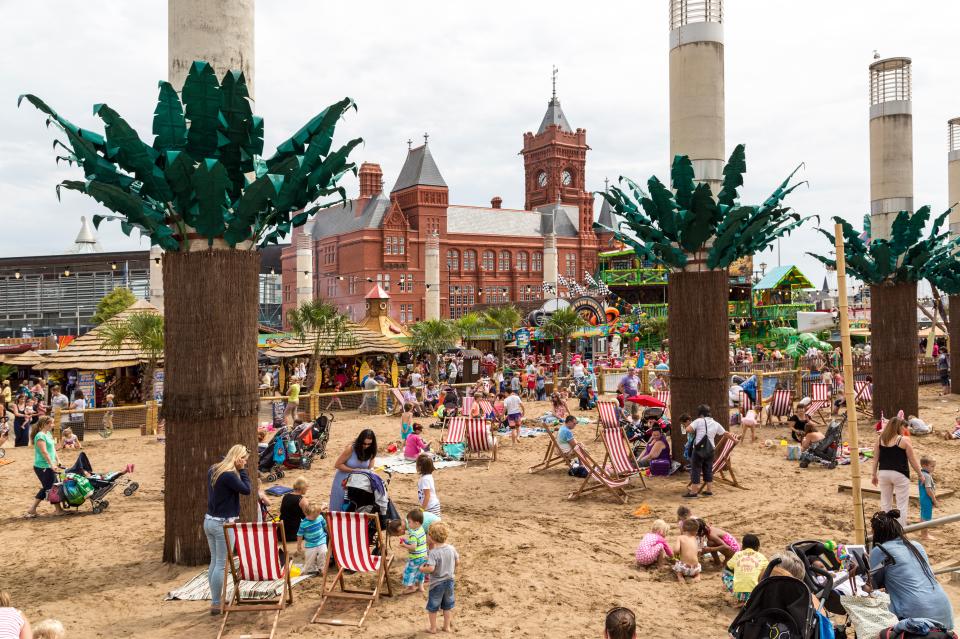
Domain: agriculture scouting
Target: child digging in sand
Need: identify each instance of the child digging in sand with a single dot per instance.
(687, 564)
(416, 544)
(441, 565)
(653, 548)
(746, 565)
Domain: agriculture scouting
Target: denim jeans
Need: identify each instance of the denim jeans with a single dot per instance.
(218, 556)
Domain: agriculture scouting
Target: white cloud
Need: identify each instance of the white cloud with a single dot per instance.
(478, 76)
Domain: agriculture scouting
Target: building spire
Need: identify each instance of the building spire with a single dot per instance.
(554, 77)
(606, 185)
(426, 136)
(409, 144)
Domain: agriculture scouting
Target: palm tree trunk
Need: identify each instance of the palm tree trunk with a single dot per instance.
(210, 385)
(146, 386)
(564, 352)
(953, 316)
(894, 348)
(699, 348)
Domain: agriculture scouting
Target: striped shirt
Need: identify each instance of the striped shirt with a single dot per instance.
(418, 539)
(11, 621)
(313, 531)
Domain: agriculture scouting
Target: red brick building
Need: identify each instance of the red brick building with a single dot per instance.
(488, 254)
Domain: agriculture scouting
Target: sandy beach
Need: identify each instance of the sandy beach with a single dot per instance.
(533, 563)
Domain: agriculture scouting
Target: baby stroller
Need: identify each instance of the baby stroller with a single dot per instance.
(827, 449)
(271, 457)
(319, 433)
(778, 607)
(819, 564)
(79, 484)
(366, 492)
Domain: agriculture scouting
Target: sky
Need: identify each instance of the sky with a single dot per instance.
(477, 76)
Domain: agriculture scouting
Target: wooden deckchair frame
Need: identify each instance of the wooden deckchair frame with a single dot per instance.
(815, 410)
(864, 406)
(237, 603)
(723, 463)
(611, 435)
(599, 477)
(398, 401)
(664, 396)
(554, 455)
(352, 594)
(487, 453)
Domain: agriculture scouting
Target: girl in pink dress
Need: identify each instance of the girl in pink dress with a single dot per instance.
(653, 548)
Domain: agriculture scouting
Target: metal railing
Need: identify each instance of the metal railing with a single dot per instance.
(890, 80)
(634, 276)
(687, 11)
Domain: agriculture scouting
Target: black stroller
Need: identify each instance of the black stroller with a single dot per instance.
(269, 468)
(71, 485)
(827, 450)
(366, 492)
(778, 607)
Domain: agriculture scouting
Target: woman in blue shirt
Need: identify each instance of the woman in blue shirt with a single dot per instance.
(901, 568)
(226, 482)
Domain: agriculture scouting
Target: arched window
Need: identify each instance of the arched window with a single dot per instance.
(522, 261)
(453, 260)
(504, 262)
(537, 261)
(470, 260)
(571, 265)
(488, 260)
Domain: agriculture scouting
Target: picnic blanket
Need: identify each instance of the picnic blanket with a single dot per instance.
(197, 589)
(524, 431)
(397, 464)
(550, 419)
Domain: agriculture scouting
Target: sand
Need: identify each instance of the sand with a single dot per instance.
(533, 564)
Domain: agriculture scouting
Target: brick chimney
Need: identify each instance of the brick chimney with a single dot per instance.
(496, 202)
(371, 184)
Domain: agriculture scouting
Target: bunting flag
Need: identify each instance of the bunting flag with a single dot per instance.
(599, 286)
(548, 288)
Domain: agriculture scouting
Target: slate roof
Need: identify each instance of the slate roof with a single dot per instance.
(418, 169)
(341, 219)
(554, 115)
(606, 215)
(482, 220)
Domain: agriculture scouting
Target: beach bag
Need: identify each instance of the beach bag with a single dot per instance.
(869, 615)
(76, 489)
(793, 452)
(703, 448)
(53, 495)
(279, 450)
(455, 451)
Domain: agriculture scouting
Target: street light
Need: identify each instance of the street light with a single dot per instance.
(66, 272)
(16, 275)
(763, 268)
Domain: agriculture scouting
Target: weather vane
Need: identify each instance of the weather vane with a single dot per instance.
(426, 136)
(554, 77)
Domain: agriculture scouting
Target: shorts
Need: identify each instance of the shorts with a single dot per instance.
(686, 570)
(315, 558)
(411, 572)
(440, 596)
(514, 420)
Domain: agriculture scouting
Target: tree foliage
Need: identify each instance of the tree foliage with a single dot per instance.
(561, 325)
(144, 332)
(469, 326)
(501, 319)
(321, 323)
(116, 301)
(433, 337)
(907, 256)
(204, 173)
(667, 227)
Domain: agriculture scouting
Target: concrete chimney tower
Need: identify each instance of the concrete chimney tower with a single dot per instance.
(218, 31)
(891, 143)
(431, 276)
(697, 121)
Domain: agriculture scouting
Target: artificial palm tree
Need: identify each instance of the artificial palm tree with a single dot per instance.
(433, 337)
(697, 237)
(469, 326)
(561, 325)
(204, 193)
(327, 328)
(501, 319)
(892, 267)
(142, 330)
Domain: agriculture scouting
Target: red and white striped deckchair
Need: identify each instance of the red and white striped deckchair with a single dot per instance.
(455, 430)
(606, 415)
(486, 408)
(466, 409)
(554, 455)
(723, 460)
(255, 556)
(745, 402)
(349, 541)
(397, 401)
(479, 447)
(864, 397)
(820, 400)
(664, 396)
(598, 478)
(620, 459)
(780, 405)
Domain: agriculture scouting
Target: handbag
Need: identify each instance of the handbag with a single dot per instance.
(704, 447)
(869, 615)
(53, 495)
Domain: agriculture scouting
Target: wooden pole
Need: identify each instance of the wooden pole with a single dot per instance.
(849, 393)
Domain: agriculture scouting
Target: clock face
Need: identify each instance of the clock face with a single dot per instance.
(567, 178)
(542, 178)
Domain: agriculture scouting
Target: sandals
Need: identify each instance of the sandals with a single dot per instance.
(29, 515)
(691, 495)
(707, 493)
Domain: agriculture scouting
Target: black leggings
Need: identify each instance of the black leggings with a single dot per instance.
(82, 464)
(47, 478)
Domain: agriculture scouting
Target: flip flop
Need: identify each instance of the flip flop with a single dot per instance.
(691, 495)
(707, 493)
(29, 515)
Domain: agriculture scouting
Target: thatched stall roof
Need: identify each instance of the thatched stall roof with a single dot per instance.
(29, 358)
(87, 352)
(365, 342)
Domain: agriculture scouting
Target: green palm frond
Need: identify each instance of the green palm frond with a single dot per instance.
(204, 173)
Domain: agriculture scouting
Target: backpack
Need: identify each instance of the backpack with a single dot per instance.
(76, 489)
(279, 450)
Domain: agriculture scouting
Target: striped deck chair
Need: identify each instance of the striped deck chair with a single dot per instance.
(598, 478)
(255, 556)
(486, 408)
(397, 401)
(479, 447)
(455, 430)
(745, 402)
(606, 415)
(349, 542)
(820, 400)
(620, 459)
(466, 408)
(780, 405)
(554, 455)
(864, 397)
(664, 396)
(723, 460)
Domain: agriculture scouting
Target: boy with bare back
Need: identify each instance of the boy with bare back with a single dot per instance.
(687, 553)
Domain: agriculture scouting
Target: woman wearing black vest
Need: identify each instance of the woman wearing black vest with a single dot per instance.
(293, 507)
(893, 456)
